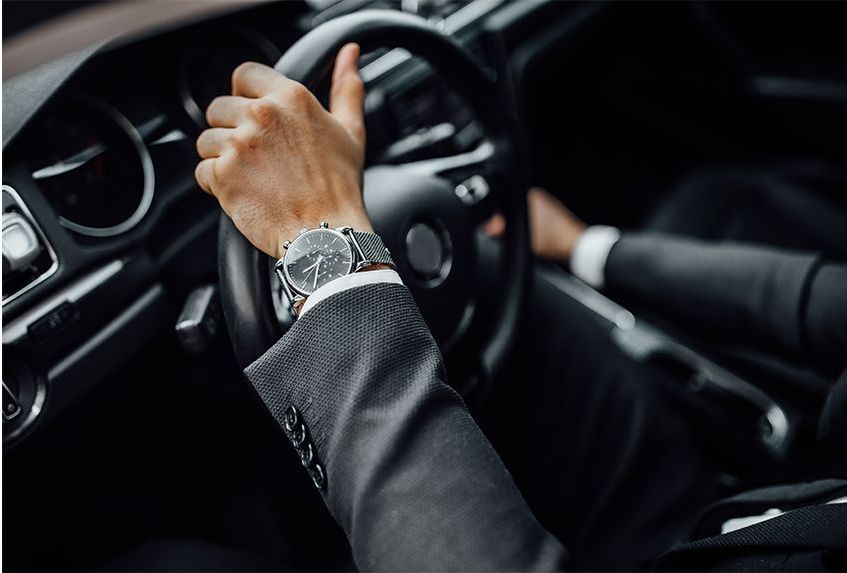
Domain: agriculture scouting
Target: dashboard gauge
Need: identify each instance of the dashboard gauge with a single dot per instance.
(206, 67)
(94, 168)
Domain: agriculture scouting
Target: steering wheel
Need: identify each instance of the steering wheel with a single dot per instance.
(427, 212)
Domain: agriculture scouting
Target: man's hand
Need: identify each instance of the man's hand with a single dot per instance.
(278, 162)
(555, 230)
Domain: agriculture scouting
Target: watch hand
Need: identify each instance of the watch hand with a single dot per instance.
(317, 270)
(313, 265)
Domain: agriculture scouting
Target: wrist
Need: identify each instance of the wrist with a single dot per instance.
(572, 240)
(377, 267)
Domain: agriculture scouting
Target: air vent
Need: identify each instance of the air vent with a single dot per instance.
(28, 259)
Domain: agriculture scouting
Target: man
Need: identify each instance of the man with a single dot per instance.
(359, 386)
(740, 295)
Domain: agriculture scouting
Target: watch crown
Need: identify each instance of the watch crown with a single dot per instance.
(324, 225)
(286, 244)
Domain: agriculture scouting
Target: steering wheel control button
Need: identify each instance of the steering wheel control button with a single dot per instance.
(473, 190)
(291, 418)
(318, 476)
(425, 251)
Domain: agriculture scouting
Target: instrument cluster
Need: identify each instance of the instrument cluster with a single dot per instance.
(95, 158)
(93, 167)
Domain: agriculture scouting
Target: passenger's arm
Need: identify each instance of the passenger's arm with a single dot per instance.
(780, 300)
(783, 301)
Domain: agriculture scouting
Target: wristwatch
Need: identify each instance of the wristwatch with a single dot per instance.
(319, 256)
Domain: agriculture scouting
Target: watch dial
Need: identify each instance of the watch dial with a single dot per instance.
(317, 257)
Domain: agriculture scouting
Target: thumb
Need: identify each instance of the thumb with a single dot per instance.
(347, 96)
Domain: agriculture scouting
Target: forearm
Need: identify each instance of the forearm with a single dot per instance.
(746, 294)
(409, 476)
(825, 315)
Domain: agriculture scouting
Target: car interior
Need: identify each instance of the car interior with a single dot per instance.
(126, 417)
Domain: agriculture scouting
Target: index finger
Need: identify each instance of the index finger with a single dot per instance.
(255, 80)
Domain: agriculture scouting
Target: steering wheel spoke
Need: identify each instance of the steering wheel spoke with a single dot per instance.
(473, 175)
(453, 167)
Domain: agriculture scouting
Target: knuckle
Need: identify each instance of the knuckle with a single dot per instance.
(205, 175)
(352, 86)
(264, 111)
(212, 109)
(243, 140)
(356, 85)
(224, 170)
(298, 94)
(242, 71)
(202, 142)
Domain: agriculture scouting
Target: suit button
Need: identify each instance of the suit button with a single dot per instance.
(307, 455)
(318, 476)
(290, 418)
(298, 436)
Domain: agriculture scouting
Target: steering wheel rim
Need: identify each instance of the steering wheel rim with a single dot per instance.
(245, 291)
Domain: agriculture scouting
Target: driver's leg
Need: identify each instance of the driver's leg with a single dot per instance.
(602, 460)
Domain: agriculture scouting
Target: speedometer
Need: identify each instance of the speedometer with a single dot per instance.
(93, 168)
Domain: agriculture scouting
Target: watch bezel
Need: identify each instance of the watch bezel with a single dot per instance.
(302, 236)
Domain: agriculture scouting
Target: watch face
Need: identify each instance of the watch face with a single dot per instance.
(315, 258)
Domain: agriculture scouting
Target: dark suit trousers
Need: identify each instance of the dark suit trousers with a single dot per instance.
(602, 460)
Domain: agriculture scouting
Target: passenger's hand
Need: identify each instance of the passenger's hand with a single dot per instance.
(277, 161)
(555, 230)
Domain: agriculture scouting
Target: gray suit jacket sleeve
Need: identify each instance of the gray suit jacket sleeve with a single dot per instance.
(409, 476)
(780, 300)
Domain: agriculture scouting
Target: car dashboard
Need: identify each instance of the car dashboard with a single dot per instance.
(117, 426)
(105, 232)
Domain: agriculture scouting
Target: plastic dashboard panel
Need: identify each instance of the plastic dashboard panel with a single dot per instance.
(111, 297)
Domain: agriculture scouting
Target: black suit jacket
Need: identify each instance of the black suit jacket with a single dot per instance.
(359, 387)
(791, 304)
(786, 302)
(359, 382)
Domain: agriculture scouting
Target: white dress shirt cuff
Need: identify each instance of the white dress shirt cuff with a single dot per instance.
(352, 280)
(590, 253)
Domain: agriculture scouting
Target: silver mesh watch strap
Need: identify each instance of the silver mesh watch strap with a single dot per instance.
(371, 249)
